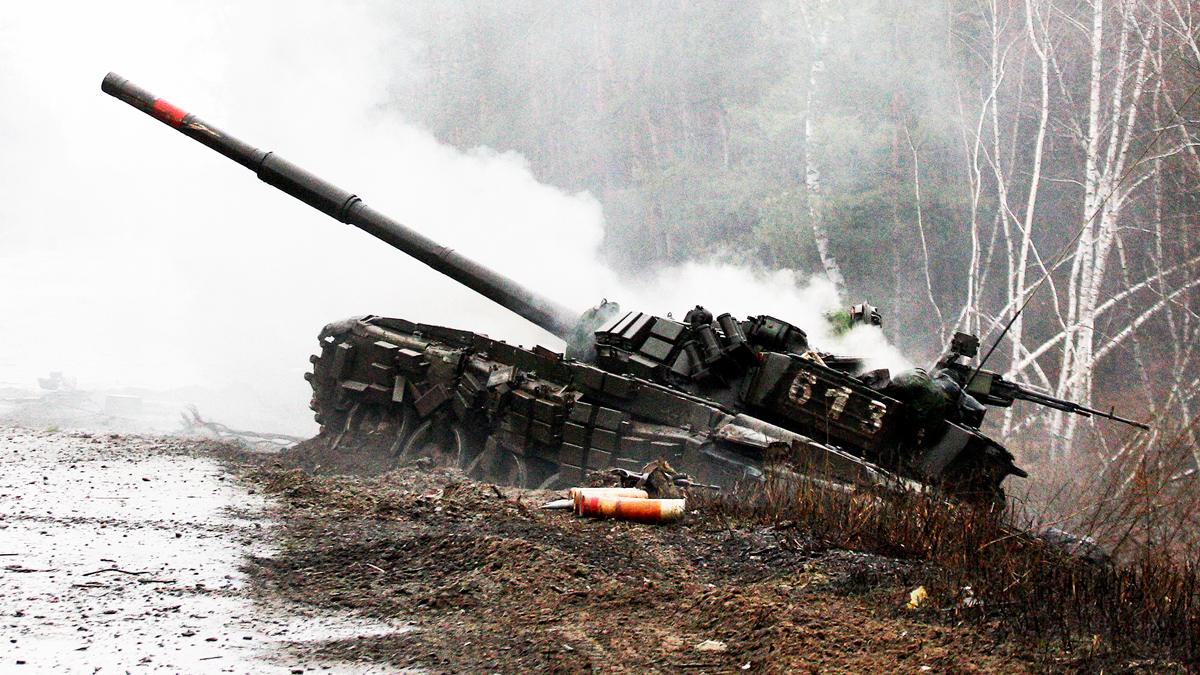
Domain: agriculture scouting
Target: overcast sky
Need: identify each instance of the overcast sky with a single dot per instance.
(131, 255)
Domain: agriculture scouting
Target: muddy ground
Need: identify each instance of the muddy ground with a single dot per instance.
(129, 553)
(491, 583)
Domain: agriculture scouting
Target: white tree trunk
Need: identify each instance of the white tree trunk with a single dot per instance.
(818, 31)
(1109, 134)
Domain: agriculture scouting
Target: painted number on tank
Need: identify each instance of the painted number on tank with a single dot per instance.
(801, 390)
(840, 396)
(873, 421)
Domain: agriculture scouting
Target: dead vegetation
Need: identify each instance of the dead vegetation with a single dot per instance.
(789, 580)
(1141, 608)
(490, 582)
(1133, 496)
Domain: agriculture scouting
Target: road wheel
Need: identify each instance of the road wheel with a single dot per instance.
(406, 421)
(346, 426)
(498, 465)
(428, 438)
(439, 438)
(552, 482)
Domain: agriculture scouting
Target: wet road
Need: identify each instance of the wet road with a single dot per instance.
(123, 554)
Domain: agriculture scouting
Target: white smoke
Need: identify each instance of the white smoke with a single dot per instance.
(785, 294)
(130, 255)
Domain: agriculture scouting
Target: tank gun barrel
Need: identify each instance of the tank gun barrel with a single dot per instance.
(348, 208)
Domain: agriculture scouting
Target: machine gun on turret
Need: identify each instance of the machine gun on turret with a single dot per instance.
(990, 388)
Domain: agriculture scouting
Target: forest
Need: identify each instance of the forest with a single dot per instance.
(1019, 169)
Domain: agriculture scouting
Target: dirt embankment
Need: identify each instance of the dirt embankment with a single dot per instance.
(491, 583)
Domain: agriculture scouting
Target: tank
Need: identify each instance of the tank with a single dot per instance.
(721, 399)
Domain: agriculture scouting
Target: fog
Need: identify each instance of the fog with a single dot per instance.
(131, 256)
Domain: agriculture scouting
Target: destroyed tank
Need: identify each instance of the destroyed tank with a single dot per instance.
(720, 398)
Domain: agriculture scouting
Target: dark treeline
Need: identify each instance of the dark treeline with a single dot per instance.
(688, 121)
(933, 159)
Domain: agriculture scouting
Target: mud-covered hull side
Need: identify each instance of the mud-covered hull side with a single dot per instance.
(535, 418)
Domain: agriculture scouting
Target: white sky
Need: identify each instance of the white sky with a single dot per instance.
(131, 255)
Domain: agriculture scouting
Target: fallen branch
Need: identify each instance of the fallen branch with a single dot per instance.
(24, 570)
(114, 569)
(193, 422)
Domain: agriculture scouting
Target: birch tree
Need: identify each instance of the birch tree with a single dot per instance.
(1095, 97)
(816, 18)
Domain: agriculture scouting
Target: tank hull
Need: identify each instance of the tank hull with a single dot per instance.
(534, 418)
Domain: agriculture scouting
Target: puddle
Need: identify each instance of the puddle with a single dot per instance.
(124, 554)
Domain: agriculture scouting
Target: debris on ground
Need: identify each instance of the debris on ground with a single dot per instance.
(917, 597)
(450, 574)
(491, 582)
(195, 425)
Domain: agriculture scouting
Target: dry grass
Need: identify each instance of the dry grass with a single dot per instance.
(1143, 495)
(991, 572)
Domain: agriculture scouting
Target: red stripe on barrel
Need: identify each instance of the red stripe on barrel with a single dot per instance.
(167, 112)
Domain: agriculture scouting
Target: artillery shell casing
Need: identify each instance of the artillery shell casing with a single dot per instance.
(578, 493)
(652, 511)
